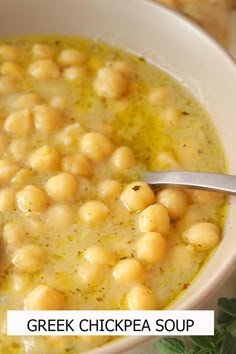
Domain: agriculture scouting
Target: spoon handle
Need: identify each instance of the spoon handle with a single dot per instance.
(197, 180)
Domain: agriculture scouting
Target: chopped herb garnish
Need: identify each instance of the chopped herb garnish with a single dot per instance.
(136, 188)
(142, 59)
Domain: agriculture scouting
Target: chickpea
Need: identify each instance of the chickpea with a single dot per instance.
(122, 159)
(44, 69)
(151, 248)
(159, 96)
(7, 199)
(28, 258)
(137, 196)
(44, 298)
(70, 135)
(4, 143)
(99, 255)
(166, 160)
(154, 218)
(21, 282)
(123, 67)
(70, 57)
(8, 84)
(19, 123)
(45, 159)
(20, 149)
(93, 212)
(43, 51)
(90, 274)
(203, 235)
(62, 187)
(110, 83)
(22, 177)
(205, 197)
(171, 116)
(175, 201)
(78, 165)
(96, 146)
(31, 198)
(128, 270)
(12, 69)
(13, 235)
(58, 102)
(8, 53)
(109, 189)
(140, 297)
(7, 170)
(75, 73)
(47, 119)
(195, 213)
(103, 127)
(33, 225)
(60, 216)
(27, 101)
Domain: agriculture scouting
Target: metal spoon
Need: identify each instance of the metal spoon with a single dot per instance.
(214, 182)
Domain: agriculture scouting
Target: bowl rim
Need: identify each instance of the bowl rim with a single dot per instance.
(125, 343)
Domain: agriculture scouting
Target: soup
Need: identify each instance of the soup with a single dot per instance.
(80, 123)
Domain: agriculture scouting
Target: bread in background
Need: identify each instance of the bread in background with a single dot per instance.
(232, 4)
(211, 15)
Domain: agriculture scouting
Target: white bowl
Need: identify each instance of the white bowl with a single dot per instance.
(180, 48)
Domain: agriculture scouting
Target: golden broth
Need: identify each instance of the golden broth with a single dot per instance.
(152, 115)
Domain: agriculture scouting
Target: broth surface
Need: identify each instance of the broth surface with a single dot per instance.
(50, 101)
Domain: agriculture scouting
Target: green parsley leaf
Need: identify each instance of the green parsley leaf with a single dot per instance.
(203, 342)
(224, 319)
(228, 306)
(223, 341)
(171, 346)
(228, 345)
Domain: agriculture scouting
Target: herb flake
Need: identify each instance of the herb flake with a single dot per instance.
(136, 188)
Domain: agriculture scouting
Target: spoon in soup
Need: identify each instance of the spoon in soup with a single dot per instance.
(214, 182)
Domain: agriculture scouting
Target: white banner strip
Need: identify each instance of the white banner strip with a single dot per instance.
(113, 323)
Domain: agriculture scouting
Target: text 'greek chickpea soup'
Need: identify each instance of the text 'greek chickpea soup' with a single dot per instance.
(80, 229)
